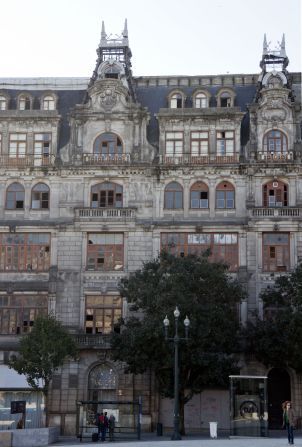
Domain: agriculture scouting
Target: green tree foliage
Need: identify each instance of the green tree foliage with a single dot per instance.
(42, 351)
(203, 291)
(277, 339)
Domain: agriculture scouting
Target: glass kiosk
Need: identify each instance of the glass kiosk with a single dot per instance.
(248, 399)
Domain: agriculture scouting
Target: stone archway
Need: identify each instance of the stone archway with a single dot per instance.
(279, 390)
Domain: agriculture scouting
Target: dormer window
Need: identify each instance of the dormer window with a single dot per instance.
(225, 98)
(201, 100)
(3, 102)
(48, 103)
(24, 102)
(176, 101)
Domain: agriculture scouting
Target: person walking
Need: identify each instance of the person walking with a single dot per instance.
(111, 425)
(289, 420)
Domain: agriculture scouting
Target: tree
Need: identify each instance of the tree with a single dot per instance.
(277, 339)
(41, 352)
(203, 291)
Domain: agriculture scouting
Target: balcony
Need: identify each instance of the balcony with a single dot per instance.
(113, 214)
(92, 340)
(275, 156)
(188, 159)
(282, 212)
(100, 159)
(27, 161)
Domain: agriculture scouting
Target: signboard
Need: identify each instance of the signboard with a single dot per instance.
(17, 406)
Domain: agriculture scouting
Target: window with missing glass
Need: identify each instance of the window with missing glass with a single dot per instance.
(15, 195)
(24, 102)
(107, 194)
(225, 143)
(103, 312)
(176, 101)
(19, 311)
(108, 144)
(40, 197)
(199, 195)
(173, 196)
(24, 252)
(276, 252)
(42, 145)
(221, 247)
(275, 194)
(3, 102)
(105, 251)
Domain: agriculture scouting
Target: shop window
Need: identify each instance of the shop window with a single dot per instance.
(17, 145)
(275, 194)
(40, 197)
(105, 251)
(199, 143)
(48, 102)
(276, 252)
(174, 144)
(225, 143)
(173, 196)
(225, 196)
(15, 197)
(103, 312)
(275, 142)
(221, 247)
(19, 311)
(21, 252)
(199, 195)
(176, 101)
(108, 145)
(107, 195)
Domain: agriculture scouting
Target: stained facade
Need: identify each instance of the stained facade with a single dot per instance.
(99, 174)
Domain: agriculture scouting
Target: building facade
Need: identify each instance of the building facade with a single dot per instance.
(99, 174)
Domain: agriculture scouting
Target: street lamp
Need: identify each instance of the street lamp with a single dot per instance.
(176, 339)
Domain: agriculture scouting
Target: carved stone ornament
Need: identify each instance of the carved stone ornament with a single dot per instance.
(108, 98)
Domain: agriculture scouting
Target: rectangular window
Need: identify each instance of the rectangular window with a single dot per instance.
(105, 251)
(225, 143)
(24, 252)
(19, 311)
(199, 143)
(42, 145)
(223, 247)
(174, 144)
(276, 252)
(102, 313)
(17, 145)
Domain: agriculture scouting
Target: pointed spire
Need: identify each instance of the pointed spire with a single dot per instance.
(103, 34)
(125, 33)
(282, 47)
(265, 48)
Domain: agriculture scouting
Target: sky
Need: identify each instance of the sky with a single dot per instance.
(54, 38)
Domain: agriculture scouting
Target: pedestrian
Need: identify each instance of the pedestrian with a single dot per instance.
(289, 420)
(106, 424)
(101, 426)
(111, 425)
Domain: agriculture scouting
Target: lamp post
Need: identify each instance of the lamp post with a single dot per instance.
(176, 339)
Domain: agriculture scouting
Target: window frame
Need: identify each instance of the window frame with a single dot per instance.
(42, 200)
(225, 139)
(19, 143)
(3, 102)
(26, 100)
(48, 99)
(279, 251)
(109, 255)
(203, 99)
(100, 197)
(176, 100)
(227, 188)
(101, 142)
(177, 143)
(96, 313)
(173, 192)
(10, 190)
(199, 142)
(280, 196)
(267, 139)
(201, 187)
(44, 143)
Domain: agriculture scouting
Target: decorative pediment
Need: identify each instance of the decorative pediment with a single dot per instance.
(108, 95)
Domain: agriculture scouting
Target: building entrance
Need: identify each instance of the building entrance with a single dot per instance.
(278, 386)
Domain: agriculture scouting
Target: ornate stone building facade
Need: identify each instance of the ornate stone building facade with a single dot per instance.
(98, 174)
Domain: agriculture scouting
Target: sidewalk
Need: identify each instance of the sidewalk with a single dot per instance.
(187, 442)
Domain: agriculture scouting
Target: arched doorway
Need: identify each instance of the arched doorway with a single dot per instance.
(278, 387)
(102, 383)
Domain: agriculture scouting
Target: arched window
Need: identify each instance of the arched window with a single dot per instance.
(225, 196)
(225, 97)
(24, 102)
(106, 194)
(108, 144)
(15, 196)
(199, 195)
(102, 383)
(40, 197)
(176, 101)
(225, 100)
(3, 102)
(173, 196)
(275, 194)
(48, 103)
(200, 101)
(275, 142)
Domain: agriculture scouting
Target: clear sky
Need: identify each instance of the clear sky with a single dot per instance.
(167, 37)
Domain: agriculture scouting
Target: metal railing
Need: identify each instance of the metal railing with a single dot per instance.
(101, 159)
(276, 212)
(105, 213)
(24, 162)
(198, 159)
(92, 340)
